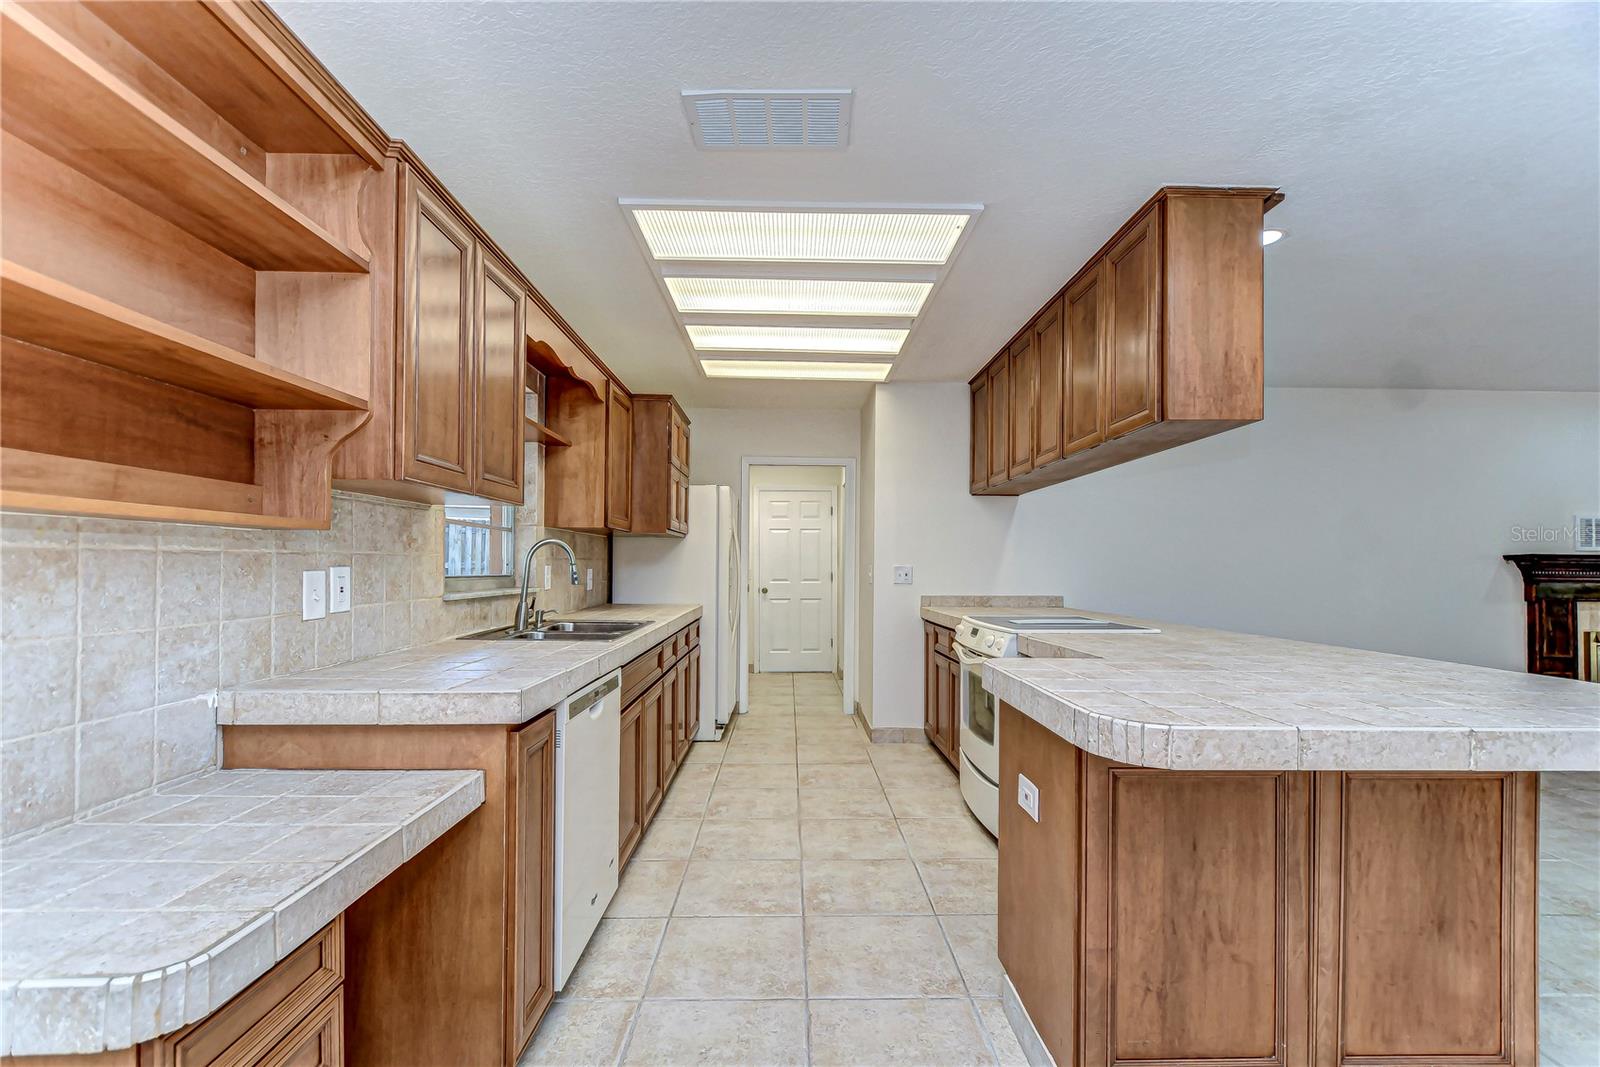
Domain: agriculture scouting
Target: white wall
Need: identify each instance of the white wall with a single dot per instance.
(800, 477)
(721, 437)
(1370, 518)
(866, 526)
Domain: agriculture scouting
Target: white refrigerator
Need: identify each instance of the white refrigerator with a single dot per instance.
(700, 568)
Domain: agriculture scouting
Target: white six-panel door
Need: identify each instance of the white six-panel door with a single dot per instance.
(795, 579)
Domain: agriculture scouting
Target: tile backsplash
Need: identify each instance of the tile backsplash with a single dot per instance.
(114, 636)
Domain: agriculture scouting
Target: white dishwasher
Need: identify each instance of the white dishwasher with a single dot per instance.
(588, 747)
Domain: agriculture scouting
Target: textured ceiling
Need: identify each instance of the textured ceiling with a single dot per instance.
(1441, 161)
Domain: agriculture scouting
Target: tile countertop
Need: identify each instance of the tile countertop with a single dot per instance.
(1197, 699)
(455, 681)
(148, 917)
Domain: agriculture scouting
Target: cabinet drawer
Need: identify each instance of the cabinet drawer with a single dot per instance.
(694, 635)
(943, 640)
(253, 1026)
(316, 1042)
(637, 675)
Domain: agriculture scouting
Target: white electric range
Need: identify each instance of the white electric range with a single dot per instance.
(981, 637)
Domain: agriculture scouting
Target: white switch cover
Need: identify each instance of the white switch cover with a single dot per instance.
(313, 595)
(902, 576)
(588, 577)
(338, 589)
(1028, 797)
(547, 576)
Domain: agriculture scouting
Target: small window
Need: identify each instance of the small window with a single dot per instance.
(480, 543)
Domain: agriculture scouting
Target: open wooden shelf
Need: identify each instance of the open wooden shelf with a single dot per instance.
(59, 99)
(33, 482)
(55, 315)
(542, 434)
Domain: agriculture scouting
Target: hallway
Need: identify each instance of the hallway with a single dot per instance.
(804, 896)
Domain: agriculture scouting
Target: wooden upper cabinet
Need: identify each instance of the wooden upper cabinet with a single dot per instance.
(1162, 326)
(999, 421)
(980, 433)
(619, 459)
(436, 340)
(533, 876)
(1083, 358)
(501, 368)
(1024, 397)
(1133, 327)
(660, 466)
(1047, 358)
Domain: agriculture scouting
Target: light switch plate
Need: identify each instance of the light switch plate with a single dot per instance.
(588, 575)
(902, 576)
(1028, 797)
(313, 595)
(338, 589)
(547, 576)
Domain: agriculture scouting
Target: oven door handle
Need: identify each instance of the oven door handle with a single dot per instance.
(969, 657)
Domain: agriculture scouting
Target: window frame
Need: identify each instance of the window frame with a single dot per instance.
(479, 583)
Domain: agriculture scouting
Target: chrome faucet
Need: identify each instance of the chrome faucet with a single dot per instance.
(527, 576)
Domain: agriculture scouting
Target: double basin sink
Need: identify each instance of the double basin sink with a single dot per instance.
(597, 630)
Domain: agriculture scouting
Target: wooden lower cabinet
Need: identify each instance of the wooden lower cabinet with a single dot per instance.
(941, 692)
(661, 710)
(1267, 917)
(447, 959)
(630, 808)
(533, 876)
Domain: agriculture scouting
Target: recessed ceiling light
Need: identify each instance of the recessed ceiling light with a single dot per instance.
(1272, 237)
(801, 236)
(833, 339)
(795, 369)
(785, 296)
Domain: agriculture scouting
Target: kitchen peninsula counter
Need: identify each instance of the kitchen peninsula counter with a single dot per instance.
(1250, 849)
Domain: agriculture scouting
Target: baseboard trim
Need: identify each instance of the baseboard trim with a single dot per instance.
(1021, 1025)
(892, 735)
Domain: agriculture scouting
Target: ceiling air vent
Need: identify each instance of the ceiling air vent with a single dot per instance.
(769, 118)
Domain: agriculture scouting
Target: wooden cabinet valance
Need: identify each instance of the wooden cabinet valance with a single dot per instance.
(1155, 342)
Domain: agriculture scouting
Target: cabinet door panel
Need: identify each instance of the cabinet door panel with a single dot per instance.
(1047, 357)
(692, 687)
(1133, 342)
(1083, 358)
(501, 363)
(534, 900)
(1024, 387)
(999, 421)
(930, 685)
(650, 780)
(619, 459)
(980, 433)
(630, 814)
(436, 371)
(949, 693)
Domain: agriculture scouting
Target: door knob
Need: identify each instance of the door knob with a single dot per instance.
(763, 589)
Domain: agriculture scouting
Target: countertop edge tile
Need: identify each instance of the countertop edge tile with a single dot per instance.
(59, 1008)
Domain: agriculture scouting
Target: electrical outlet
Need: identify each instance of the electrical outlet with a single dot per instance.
(547, 576)
(338, 589)
(588, 578)
(1028, 797)
(902, 576)
(313, 595)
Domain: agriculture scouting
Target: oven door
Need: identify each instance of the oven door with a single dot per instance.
(980, 717)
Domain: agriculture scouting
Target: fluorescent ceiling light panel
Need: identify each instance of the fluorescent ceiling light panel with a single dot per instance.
(832, 339)
(800, 236)
(785, 296)
(809, 370)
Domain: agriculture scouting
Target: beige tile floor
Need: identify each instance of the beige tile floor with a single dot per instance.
(803, 897)
(807, 897)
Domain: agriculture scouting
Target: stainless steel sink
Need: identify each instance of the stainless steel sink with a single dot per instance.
(580, 630)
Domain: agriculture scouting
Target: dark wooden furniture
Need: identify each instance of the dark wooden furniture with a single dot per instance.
(1155, 342)
(466, 926)
(941, 692)
(660, 466)
(1267, 917)
(189, 214)
(1553, 585)
(660, 714)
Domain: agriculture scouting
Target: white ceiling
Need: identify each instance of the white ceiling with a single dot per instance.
(1441, 161)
